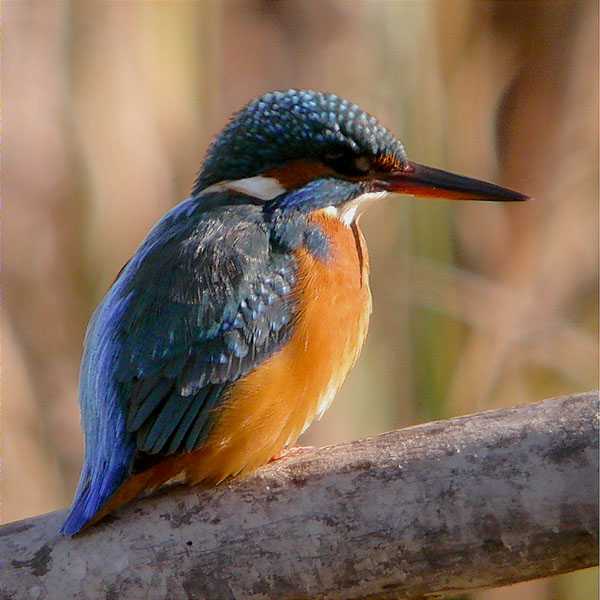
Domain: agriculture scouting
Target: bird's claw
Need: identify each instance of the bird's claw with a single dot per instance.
(293, 452)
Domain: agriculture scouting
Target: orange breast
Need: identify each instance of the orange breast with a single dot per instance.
(270, 407)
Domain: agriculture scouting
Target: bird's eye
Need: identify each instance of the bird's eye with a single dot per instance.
(362, 164)
(348, 164)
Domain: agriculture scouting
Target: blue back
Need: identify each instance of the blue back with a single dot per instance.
(206, 298)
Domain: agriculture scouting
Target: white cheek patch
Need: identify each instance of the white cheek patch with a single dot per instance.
(349, 212)
(263, 188)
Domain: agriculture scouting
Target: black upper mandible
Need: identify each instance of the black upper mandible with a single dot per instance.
(293, 124)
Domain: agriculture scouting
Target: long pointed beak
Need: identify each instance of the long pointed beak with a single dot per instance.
(419, 180)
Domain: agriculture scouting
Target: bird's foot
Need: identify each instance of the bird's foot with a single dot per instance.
(293, 452)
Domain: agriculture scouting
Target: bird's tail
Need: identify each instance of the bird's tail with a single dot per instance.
(89, 508)
(90, 497)
(109, 448)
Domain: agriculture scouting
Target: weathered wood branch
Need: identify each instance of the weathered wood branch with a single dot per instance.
(479, 501)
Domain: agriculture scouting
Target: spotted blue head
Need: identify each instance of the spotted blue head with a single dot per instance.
(303, 150)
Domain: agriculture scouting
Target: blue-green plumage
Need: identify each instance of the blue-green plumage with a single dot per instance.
(286, 125)
(206, 298)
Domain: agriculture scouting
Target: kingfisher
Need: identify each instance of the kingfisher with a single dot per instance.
(240, 315)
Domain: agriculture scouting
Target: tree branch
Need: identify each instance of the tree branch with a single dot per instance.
(479, 501)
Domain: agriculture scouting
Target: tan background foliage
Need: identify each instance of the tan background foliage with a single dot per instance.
(108, 108)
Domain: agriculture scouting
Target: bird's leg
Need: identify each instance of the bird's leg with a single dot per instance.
(293, 452)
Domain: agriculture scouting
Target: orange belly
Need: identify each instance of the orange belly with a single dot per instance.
(274, 404)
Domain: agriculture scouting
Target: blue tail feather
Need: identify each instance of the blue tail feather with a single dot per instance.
(88, 500)
(109, 448)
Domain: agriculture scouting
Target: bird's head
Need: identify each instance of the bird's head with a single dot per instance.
(304, 151)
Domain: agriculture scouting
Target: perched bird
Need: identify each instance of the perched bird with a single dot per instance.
(238, 318)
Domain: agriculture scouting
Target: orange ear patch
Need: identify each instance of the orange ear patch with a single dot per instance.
(387, 162)
(296, 173)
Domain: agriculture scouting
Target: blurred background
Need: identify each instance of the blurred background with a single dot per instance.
(108, 110)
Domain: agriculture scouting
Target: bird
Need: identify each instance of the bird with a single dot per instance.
(236, 321)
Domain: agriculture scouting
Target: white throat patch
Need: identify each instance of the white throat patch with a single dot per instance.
(263, 188)
(349, 212)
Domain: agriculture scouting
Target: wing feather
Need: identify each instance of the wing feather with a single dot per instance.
(204, 300)
(189, 337)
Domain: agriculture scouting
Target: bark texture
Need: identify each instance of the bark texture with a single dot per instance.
(479, 501)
